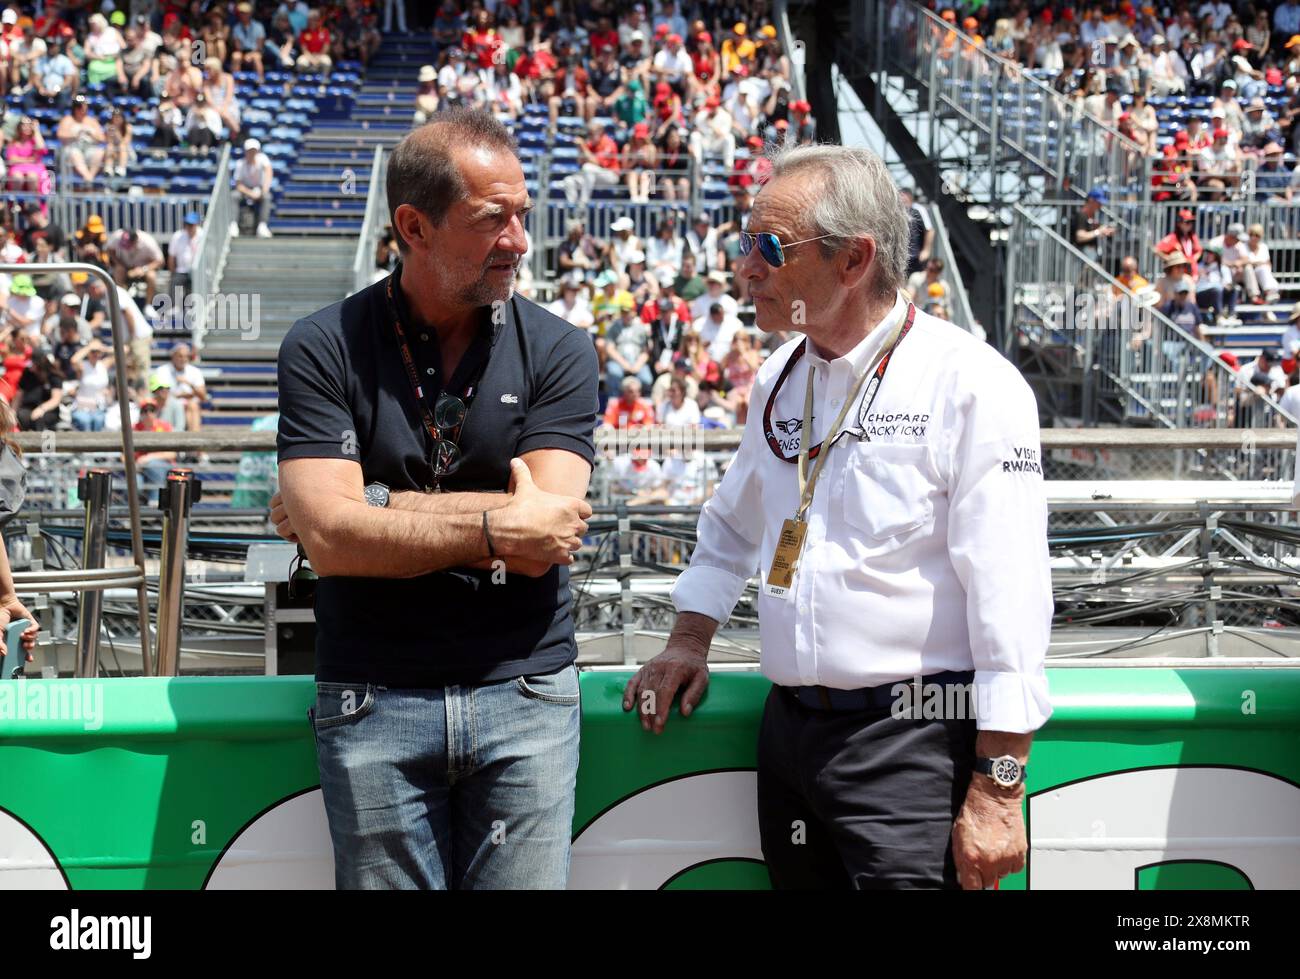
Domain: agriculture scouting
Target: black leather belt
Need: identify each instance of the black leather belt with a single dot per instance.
(869, 698)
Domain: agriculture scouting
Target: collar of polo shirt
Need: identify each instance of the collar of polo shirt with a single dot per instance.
(859, 358)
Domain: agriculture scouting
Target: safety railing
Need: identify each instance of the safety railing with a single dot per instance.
(1135, 362)
(999, 109)
(364, 266)
(957, 299)
(214, 244)
(125, 438)
(160, 215)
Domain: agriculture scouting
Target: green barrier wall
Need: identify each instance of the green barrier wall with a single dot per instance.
(1144, 778)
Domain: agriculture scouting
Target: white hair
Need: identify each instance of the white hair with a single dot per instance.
(857, 198)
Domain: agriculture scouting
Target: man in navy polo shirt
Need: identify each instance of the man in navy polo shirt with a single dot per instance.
(435, 446)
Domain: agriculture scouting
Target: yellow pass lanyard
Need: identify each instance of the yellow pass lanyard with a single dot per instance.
(790, 543)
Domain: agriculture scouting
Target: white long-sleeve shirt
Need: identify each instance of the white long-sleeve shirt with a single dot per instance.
(926, 545)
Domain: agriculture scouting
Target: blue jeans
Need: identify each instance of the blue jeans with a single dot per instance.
(614, 375)
(85, 420)
(453, 788)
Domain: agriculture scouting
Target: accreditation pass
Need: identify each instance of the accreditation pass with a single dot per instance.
(781, 576)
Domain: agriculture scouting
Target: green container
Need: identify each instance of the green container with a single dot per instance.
(1144, 778)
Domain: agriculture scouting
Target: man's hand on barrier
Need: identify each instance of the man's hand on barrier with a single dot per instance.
(11, 610)
(280, 518)
(537, 524)
(683, 665)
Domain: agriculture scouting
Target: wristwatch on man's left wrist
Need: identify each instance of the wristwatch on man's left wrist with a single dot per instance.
(1005, 771)
(377, 495)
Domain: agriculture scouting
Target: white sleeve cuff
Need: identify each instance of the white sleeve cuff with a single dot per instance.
(1013, 702)
(709, 591)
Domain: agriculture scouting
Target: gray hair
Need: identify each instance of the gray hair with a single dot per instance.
(857, 198)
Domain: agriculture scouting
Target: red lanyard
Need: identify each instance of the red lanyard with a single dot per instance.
(868, 397)
(413, 375)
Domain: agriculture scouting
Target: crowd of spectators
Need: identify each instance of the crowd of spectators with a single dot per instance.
(56, 351)
(1112, 60)
(657, 95)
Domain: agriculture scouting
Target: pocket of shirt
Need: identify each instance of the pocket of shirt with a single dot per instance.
(887, 491)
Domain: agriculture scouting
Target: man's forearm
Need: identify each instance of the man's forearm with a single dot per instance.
(418, 502)
(362, 541)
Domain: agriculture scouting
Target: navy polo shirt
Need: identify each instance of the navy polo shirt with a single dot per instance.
(344, 394)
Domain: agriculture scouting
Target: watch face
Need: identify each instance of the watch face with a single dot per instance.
(1006, 771)
(376, 495)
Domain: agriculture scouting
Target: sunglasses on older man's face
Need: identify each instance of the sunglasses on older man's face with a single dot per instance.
(770, 247)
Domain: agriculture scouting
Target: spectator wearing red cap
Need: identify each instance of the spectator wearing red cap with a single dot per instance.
(1182, 240)
(1220, 166)
(152, 467)
(672, 64)
(706, 66)
(638, 161)
(803, 127)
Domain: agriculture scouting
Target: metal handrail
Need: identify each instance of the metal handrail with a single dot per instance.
(781, 16)
(214, 243)
(1100, 276)
(363, 263)
(960, 311)
(127, 434)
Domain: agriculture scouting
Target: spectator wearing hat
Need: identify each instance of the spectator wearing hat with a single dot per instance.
(1260, 267)
(1273, 180)
(1165, 79)
(638, 161)
(171, 410)
(632, 107)
(92, 364)
(187, 385)
(638, 280)
(625, 350)
(314, 43)
(668, 318)
(24, 310)
(253, 177)
(1216, 292)
(135, 256)
(1176, 268)
(426, 95)
(1256, 126)
(181, 250)
(600, 167)
(572, 306)
(1189, 63)
(68, 334)
(1087, 230)
(672, 64)
(39, 394)
(1183, 311)
(1240, 260)
(152, 467)
(1183, 240)
(609, 300)
(623, 243)
(1227, 107)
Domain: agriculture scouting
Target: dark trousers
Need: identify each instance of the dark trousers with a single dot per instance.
(859, 799)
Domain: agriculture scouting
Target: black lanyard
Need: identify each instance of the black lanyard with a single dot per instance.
(868, 397)
(413, 375)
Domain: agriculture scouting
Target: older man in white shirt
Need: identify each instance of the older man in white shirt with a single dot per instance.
(901, 562)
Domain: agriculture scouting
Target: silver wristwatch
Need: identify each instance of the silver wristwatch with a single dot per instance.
(1005, 770)
(376, 494)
